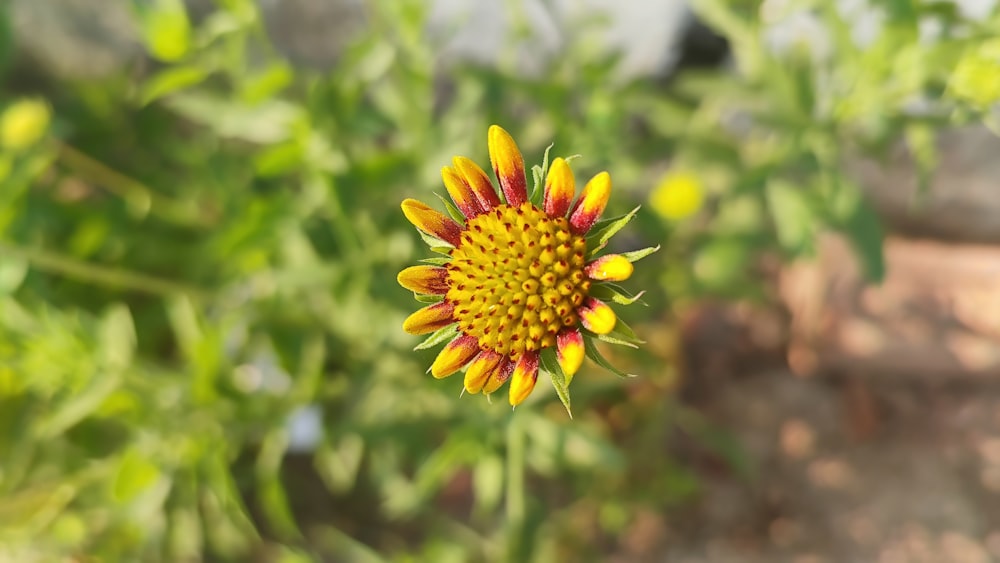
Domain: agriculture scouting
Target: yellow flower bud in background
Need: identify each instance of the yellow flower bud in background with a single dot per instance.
(23, 123)
(678, 195)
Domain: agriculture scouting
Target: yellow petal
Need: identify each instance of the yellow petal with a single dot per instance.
(559, 188)
(461, 193)
(590, 206)
(499, 376)
(428, 280)
(508, 164)
(478, 181)
(430, 318)
(522, 381)
(610, 267)
(570, 351)
(456, 354)
(480, 370)
(597, 316)
(431, 221)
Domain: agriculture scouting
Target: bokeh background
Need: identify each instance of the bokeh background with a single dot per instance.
(201, 356)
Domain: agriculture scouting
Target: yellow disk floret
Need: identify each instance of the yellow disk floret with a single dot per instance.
(516, 278)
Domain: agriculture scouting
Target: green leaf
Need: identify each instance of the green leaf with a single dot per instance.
(13, 270)
(851, 213)
(864, 229)
(78, 407)
(135, 474)
(272, 494)
(338, 463)
(595, 355)
(169, 81)
(267, 84)
(792, 216)
(604, 230)
(117, 337)
(487, 483)
(559, 380)
(921, 142)
(445, 334)
(278, 159)
(636, 255)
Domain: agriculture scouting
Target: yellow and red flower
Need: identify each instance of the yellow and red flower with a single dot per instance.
(520, 278)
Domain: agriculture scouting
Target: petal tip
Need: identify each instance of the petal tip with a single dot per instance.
(508, 165)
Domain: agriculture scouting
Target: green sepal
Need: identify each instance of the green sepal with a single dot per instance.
(440, 261)
(538, 175)
(636, 255)
(436, 244)
(445, 334)
(604, 230)
(622, 335)
(452, 210)
(549, 364)
(609, 291)
(422, 298)
(595, 356)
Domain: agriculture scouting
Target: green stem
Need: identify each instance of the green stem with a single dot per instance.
(140, 198)
(515, 489)
(85, 271)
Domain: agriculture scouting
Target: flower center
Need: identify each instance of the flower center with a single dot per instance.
(516, 278)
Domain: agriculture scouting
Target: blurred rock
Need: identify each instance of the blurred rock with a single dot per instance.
(75, 38)
(92, 38)
(643, 33)
(962, 202)
(936, 316)
(313, 33)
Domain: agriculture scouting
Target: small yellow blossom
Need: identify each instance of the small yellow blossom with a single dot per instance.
(678, 195)
(976, 78)
(23, 123)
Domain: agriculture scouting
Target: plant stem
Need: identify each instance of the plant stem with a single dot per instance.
(85, 271)
(141, 199)
(515, 489)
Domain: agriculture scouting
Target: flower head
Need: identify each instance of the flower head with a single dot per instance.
(520, 284)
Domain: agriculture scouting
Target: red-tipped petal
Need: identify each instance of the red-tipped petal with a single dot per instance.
(430, 318)
(522, 381)
(591, 204)
(508, 164)
(499, 376)
(610, 267)
(559, 188)
(570, 351)
(461, 193)
(428, 280)
(456, 354)
(478, 181)
(480, 370)
(431, 221)
(597, 316)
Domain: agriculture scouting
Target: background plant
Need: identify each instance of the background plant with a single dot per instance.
(197, 261)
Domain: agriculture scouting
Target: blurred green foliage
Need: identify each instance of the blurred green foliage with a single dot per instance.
(198, 259)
